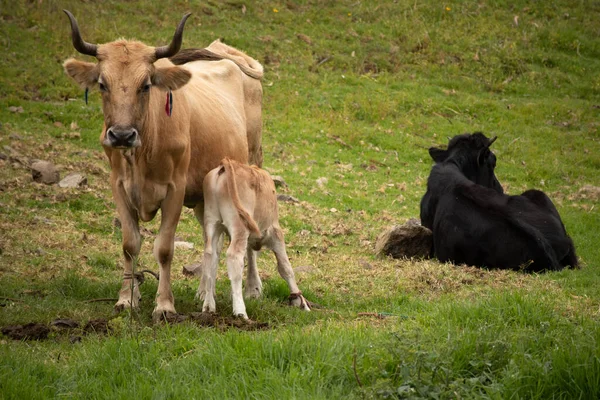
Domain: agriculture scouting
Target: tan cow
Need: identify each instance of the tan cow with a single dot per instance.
(165, 127)
(240, 200)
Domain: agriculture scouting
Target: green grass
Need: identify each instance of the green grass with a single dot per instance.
(358, 102)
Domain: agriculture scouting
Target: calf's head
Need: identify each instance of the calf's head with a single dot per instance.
(472, 155)
(125, 74)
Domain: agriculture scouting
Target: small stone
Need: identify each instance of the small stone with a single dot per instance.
(306, 39)
(192, 269)
(278, 181)
(184, 245)
(287, 198)
(45, 172)
(74, 180)
(64, 323)
(15, 109)
(15, 136)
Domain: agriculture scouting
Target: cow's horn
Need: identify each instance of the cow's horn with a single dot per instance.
(80, 45)
(492, 140)
(173, 48)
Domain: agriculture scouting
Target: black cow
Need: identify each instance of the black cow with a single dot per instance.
(475, 223)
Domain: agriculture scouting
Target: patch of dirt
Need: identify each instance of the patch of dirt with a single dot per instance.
(31, 331)
(587, 192)
(99, 325)
(224, 323)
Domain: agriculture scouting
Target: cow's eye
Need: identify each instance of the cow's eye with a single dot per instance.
(102, 87)
(145, 88)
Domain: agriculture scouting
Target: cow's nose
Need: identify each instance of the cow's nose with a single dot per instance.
(122, 137)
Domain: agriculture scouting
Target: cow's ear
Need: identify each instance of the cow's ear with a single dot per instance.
(84, 73)
(170, 78)
(438, 155)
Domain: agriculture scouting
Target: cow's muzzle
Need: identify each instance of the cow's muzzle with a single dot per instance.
(122, 138)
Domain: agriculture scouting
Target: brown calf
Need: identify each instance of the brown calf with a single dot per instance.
(240, 200)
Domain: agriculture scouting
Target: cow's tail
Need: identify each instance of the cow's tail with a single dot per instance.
(487, 199)
(219, 51)
(235, 198)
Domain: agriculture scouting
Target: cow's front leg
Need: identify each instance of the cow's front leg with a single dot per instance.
(163, 251)
(129, 295)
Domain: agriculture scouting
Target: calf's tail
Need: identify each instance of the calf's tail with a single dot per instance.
(235, 198)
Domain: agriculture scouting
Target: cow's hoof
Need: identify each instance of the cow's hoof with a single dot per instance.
(209, 309)
(159, 316)
(125, 305)
(297, 300)
(253, 292)
(242, 316)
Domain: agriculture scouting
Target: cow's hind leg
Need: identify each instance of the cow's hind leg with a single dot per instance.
(276, 243)
(253, 282)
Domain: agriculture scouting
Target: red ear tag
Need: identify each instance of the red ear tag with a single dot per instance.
(169, 104)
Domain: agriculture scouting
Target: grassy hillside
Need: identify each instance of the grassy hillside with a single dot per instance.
(355, 92)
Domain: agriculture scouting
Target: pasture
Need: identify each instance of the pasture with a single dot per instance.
(354, 94)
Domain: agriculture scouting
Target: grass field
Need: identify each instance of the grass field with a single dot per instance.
(354, 92)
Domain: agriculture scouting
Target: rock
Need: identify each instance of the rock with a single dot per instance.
(306, 39)
(15, 136)
(287, 198)
(184, 245)
(410, 240)
(74, 180)
(64, 323)
(192, 270)
(15, 109)
(44, 172)
(278, 181)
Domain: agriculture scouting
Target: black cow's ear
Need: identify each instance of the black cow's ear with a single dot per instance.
(438, 155)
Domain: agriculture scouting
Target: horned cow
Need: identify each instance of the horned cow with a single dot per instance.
(475, 223)
(166, 124)
(240, 200)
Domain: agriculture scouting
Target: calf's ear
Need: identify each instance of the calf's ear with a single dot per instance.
(84, 73)
(438, 155)
(170, 78)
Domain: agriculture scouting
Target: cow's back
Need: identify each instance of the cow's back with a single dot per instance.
(217, 120)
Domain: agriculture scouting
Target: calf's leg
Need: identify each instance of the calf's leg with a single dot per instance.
(276, 243)
(206, 289)
(253, 282)
(235, 269)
